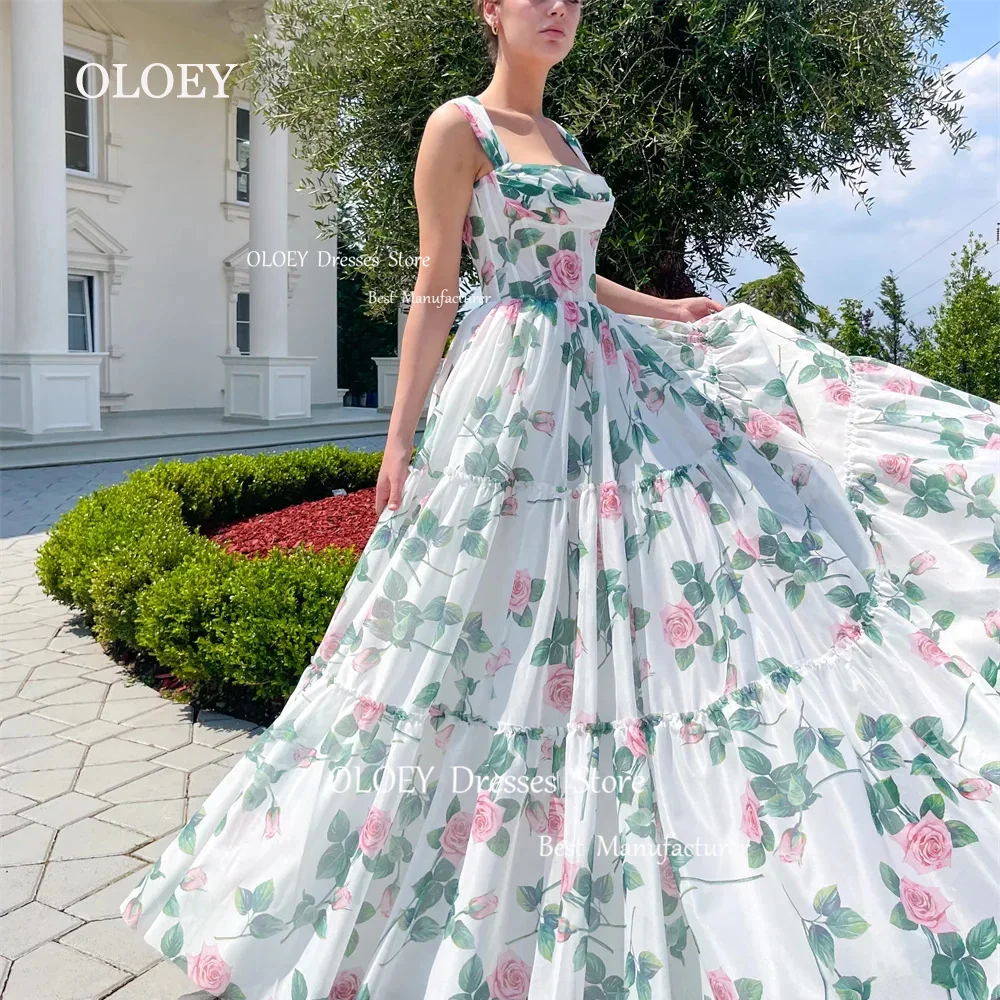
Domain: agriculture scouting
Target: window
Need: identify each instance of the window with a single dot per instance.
(243, 155)
(81, 312)
(79, 114)
(243, 322)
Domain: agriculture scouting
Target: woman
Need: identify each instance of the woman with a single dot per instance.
(667, 671)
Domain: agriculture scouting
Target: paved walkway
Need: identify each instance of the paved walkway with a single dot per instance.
(96, 776)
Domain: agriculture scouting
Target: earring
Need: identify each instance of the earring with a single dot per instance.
(494, 28)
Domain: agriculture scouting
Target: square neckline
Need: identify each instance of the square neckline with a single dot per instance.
(508, 162)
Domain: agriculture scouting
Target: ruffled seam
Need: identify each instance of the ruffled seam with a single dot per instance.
(751, 693)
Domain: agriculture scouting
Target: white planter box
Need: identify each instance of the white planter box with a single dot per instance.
(388, 376)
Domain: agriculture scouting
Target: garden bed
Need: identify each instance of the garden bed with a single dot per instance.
(216, 578)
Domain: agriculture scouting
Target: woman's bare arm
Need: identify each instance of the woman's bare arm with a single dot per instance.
(447, 164)
(628, 301)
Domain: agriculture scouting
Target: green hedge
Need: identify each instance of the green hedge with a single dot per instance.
(237, 630)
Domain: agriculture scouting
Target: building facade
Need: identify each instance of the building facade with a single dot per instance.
(143, 238)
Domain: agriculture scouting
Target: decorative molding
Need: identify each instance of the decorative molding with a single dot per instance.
(105, 254)
(238, 280)
(93, 185)
(89, 18)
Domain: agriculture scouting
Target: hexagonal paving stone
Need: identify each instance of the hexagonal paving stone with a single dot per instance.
(56, 972)
(164, 737)
(29, 725)
(190, 757)
(115, 750)
(92, 732)
(164, 784)
(90, 838)
(40, 785)
(151, 818)
(65, 882)
(113, 941)
(26, 846)
(106, 902)
(18, 747)
(17, 886)
(56, 755)
(162, 982)
(100, 779)
(64, 809)
(29, 926)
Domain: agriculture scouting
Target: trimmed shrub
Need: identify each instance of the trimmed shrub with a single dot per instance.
(133, 559)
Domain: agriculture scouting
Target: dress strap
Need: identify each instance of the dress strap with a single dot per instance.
(482, 125)
(573, 143)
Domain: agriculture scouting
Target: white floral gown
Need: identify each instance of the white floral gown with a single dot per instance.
(673, 676)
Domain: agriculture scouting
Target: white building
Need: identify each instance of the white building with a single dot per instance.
(125, 223)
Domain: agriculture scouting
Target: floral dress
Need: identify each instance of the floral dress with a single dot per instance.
(672, 676)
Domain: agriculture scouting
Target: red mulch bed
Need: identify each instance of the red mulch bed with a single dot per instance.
(343, 521)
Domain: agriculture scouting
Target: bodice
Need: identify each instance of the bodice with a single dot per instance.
(533, 229)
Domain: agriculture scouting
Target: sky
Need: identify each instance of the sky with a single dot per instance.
(845, 250)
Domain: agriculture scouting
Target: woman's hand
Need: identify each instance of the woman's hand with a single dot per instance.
(691, 310)
(392, 476)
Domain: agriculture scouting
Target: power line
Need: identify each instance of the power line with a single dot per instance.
(936, 245)
(980, 56)
(910, 298)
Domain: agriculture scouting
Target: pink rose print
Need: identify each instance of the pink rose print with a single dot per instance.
(435, 711)
(346, 985)
(800, 474)
(515, 210)
(992, 624)
(976, 789)
(692, 732)
(762, 426)
(499, 659)
(516, 380)
(557, 816)
(487, 819)
(341, 898)
(730, 679)
(388, 899)
(654, 399)
(955, 474)
(483, 906)
(902, 384)
(608, 344)
(633, 367)
(563, 929)
(510, 309)
(132, 913)
(331, 643)
(569, 870)
(713, 427)
(366, 659)
(792, 845)
(578, 647)
(897, 468)
(559, 216)
(751, 546)
(272, 822)
(195, 878)
(993, 442)
(572, 312)
(585, 717)
(926, 844)
(922, 562)
(558, 690)
(611, 502)
(635, 738)
(645, 669)
(848, 629)
(304, 756)
(536, 817)
(521, 591)
(679, 625)
(928, 650)
(543, 420)
(668, 880)
(209, 970)
(375, 831)
(546, 748)
(367, 712)
(565, 270)
(751, 819)
(455, 837)
(696, 338)
(721, 985)
(443, 736)
(489, 269)
(868, 366)
(790, 418)
(838, 391)
(467, 231)
(509, 506)
(962, 665)
(510, 979)
(925, 906)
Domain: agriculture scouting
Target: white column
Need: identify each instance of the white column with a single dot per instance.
(268, 239)
(39, 169)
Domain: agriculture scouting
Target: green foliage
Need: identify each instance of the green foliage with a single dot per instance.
(132, 557)
(730, 108)
(961, 348)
